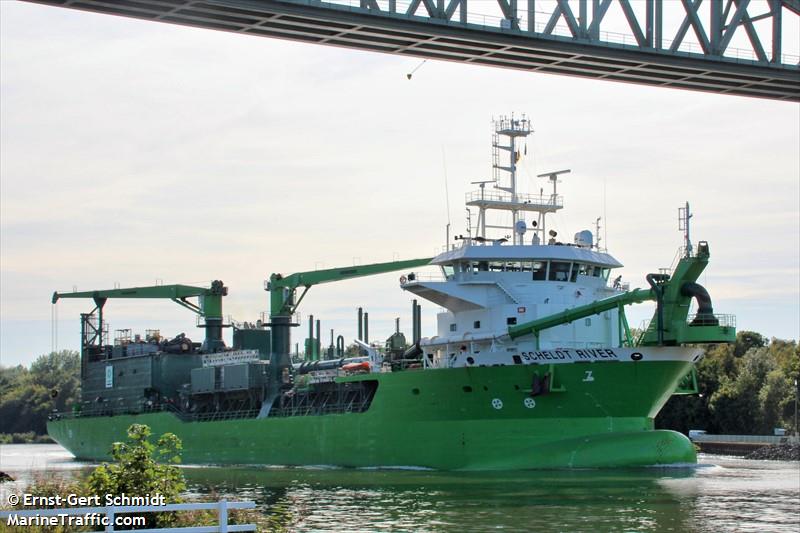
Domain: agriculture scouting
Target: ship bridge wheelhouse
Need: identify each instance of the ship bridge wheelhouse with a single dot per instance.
(477, 277)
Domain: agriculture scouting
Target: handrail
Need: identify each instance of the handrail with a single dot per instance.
(545, 200)
(165, 407)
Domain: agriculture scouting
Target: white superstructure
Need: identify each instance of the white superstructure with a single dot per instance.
(488, 284)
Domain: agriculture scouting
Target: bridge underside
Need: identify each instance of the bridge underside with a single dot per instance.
(337, 25)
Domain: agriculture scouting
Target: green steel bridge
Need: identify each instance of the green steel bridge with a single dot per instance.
(721, 46)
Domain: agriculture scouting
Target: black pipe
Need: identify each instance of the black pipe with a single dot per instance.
(366, 328)
(705, 311)
(360, 324)
(419, 322)
(340, 346)
(318, 342)
(413, 352)
(414, 315)
(310, 350)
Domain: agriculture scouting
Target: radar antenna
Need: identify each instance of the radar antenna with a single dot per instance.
(509, 134)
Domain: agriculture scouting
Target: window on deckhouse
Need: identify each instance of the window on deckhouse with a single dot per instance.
(539, 270)
(559, 271)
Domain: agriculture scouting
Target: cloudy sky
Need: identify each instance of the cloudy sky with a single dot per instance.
(134, 152)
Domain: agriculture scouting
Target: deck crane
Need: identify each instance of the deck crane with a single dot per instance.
(284, 301)
(209, 306)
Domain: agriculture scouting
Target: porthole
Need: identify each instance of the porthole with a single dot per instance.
(470, 360)
(415, 392)
(467, 388)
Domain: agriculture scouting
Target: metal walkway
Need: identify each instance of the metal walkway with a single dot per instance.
(569, 40)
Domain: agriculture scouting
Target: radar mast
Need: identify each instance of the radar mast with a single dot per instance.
(505, 156)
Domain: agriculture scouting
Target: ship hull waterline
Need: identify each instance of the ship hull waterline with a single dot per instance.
(597, 414)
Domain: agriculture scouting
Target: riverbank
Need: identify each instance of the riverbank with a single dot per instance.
(777, 452)
(25, 438)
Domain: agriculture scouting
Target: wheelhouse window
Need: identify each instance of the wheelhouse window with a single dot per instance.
(574, 275)
(497, 266)
(476, 324)
(559, 271)
(539, 270)
(606, 272)
(448, 271)
(525, 266)
(584, 270)
(596, 272)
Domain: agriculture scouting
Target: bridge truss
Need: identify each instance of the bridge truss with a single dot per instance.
(686, 44)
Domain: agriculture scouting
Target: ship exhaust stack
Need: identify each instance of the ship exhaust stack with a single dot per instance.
(310, 339)
(318, 341)
(416, 323)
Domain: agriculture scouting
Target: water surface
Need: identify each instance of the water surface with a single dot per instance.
(719, 494)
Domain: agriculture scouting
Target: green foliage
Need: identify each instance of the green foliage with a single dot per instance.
(45, 485)
(141, 468)
(745, 340)
(28, 396)
(29, 437)
(745, 388)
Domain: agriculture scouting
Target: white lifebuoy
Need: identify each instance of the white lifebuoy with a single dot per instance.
(403, 280)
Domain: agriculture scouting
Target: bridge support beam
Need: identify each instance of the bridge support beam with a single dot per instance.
(566, 43)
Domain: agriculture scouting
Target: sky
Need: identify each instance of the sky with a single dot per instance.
(135, 153)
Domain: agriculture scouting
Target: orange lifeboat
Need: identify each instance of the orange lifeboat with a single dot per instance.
(356, 367)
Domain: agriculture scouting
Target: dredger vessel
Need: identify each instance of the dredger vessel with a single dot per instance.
(533, 364)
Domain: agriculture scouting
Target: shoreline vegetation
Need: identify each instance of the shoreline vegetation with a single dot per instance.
(140, 467)
(745, 388)
(25, 438)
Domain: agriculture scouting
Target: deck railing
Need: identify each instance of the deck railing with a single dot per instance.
(166, 407)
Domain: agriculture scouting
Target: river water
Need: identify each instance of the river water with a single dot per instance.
(720, 494)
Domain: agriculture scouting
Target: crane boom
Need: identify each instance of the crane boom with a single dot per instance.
(153, 291)
(282, 288)
(209, 305)
(282, 291)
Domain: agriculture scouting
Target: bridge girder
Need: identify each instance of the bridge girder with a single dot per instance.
(571, 41)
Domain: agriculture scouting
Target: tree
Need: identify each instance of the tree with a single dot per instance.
(745, 340)
(28, 396)
(141, 468)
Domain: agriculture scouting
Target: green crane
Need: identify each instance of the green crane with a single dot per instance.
(209, 306)
(284, 300)
(672, 294)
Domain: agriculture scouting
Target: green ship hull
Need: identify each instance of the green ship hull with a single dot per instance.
(476, 418)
